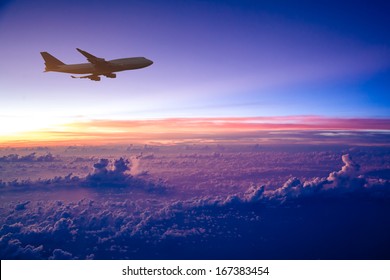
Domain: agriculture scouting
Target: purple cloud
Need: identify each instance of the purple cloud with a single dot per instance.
(254, 223)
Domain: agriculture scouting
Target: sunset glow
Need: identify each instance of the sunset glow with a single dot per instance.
(178, 129)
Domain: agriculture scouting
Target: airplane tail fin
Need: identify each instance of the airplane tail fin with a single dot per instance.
(51, 62)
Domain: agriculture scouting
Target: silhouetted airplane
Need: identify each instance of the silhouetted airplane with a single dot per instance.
(96, 67)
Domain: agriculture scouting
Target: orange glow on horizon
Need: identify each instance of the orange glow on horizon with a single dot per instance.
(98, 132)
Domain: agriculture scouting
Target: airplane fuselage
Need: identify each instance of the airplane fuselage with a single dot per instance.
(115, 65)
(96, 67)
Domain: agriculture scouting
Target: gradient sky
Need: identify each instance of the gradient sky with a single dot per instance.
(218, 59)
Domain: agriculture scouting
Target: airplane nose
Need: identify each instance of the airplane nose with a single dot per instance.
(150, 62)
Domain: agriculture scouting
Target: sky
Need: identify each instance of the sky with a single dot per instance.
(212, 59)
(261, 130)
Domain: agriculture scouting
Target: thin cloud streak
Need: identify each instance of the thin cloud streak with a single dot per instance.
(232, 124)
(97, 132)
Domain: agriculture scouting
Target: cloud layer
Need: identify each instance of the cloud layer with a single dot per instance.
(341, 216)
(28, 158)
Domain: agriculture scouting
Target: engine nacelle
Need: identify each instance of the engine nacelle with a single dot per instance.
(95, 78)
(111, 75)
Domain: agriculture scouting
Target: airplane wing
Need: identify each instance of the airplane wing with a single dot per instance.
(93, 59)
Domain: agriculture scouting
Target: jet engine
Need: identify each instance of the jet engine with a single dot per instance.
(95, 78)
(111, 75)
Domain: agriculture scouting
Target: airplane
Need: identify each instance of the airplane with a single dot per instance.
(97, 66)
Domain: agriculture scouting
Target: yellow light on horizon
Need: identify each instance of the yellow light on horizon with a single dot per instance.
(17, 127)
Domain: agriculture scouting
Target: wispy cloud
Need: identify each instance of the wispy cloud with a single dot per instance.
(120, 131)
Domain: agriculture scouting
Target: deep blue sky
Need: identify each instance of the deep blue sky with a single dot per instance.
(212, 58)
